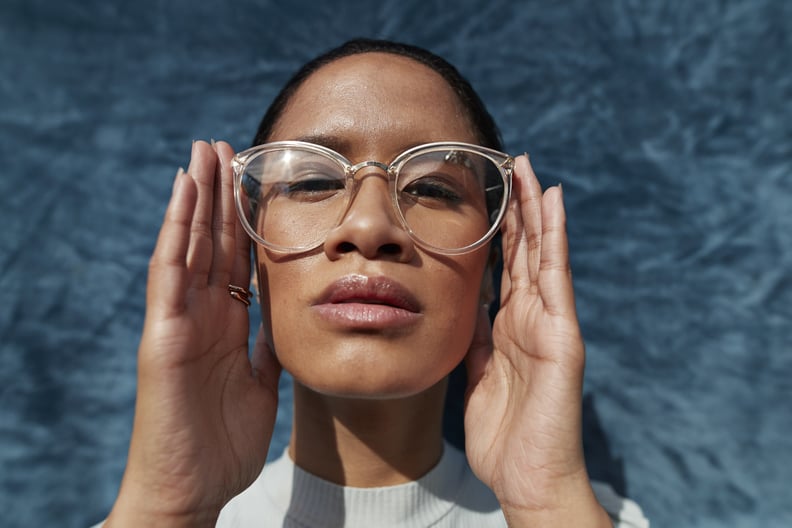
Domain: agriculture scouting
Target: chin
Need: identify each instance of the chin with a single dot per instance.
(368, 391)
(368, 366)
(367, 378)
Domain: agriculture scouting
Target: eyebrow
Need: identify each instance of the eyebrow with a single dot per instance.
(330, 141)
(341, 145)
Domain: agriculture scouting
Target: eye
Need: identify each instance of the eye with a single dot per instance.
(433, 188)
(315, 184)
(311, 179)
(311, 186)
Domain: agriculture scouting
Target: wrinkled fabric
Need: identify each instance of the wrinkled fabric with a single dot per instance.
(669, 125)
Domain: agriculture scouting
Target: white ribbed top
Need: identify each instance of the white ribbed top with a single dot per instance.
(285, 495)
(449, 496)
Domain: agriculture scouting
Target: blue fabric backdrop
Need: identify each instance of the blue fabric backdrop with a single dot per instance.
(668, 122)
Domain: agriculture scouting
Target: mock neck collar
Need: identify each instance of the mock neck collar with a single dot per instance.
(313, 501)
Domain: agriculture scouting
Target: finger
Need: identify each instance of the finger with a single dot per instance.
(168, 274)
(240, 271)
(480, 349)
(224, 220)
(511, 225)
(512, 233)
(522, 239)
(531, 212)
(202, 170)
(555, 274)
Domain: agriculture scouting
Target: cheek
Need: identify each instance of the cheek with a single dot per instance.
(281, 318)
(372, 365)
(280, 285)
(457, 300)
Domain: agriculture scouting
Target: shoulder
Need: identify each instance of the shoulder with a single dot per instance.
(267, 498)
(474, 504)
(625, 513)
(448, 496)
(477, 505)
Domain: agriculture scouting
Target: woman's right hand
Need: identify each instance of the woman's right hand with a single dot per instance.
(205, 412)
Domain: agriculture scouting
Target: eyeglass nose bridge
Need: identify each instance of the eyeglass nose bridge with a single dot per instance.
(353, 186)
(351, 171)
(354, 169)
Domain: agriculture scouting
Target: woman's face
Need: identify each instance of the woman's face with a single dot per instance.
(370, 314)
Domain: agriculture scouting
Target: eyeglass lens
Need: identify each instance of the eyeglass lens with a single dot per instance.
(448, 199)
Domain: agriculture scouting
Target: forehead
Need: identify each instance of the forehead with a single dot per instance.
(375, 99)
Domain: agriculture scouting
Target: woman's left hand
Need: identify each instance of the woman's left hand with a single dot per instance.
(523, 410)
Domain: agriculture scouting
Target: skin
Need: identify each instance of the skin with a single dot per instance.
(361, 383)
(204, 410)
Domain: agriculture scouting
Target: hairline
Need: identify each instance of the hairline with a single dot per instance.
(481, 123)
(458, 103)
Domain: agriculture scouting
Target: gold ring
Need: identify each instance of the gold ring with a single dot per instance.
(240, 294)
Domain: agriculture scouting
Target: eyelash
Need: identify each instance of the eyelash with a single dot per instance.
(432, 188)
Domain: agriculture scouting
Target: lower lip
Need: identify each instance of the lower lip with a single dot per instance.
(366, 316)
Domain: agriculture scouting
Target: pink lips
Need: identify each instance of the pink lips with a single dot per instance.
(358, 301)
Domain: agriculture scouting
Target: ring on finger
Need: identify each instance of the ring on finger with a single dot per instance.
(240, 294)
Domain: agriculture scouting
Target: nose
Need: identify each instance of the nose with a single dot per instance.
(370, 226)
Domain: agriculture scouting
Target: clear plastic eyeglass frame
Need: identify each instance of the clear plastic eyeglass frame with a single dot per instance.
(503, 162)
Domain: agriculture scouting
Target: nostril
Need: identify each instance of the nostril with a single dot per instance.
(346, 247)
(385, 249)
(390, 249)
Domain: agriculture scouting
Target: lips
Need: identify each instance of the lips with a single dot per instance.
(359, 301)
(369, 290)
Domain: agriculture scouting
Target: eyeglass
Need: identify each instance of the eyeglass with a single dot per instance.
(449, 197)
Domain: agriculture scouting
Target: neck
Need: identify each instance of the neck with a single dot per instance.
(367, 443)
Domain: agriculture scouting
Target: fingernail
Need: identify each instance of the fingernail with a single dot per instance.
(177, 179)
(212, 142)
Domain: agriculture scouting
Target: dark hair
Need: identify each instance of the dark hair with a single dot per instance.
(482, 121)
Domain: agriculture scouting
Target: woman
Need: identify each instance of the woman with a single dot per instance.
(371, 281)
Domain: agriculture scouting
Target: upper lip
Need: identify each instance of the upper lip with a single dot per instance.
(369, 290)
